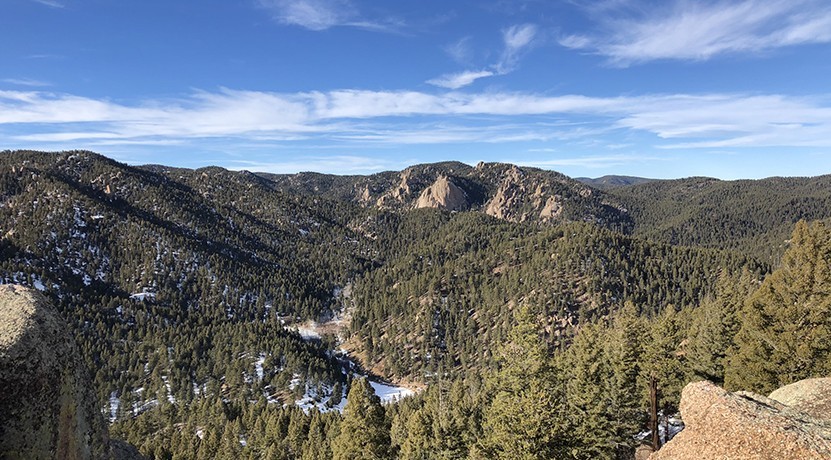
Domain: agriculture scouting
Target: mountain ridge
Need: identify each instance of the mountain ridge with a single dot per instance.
(184, 288)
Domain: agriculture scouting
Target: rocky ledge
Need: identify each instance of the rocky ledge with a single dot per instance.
(47, 404)
(790, 424)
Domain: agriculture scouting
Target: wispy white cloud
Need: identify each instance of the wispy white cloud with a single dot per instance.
(51, 3)
(347, 117)
(631, 33)
(460, 79)
(460, 50)
(515, 41)
(320, 15)
(26, 82)
(518, 37)
(45, 56)
(311, 14)
(333, 164)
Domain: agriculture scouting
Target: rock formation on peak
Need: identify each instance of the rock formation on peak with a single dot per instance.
(47, 405)
(743, 425)
(443, 194)
(501, 190)
(398, 194)
(522, 197)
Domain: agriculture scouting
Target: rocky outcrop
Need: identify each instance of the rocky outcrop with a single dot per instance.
(47, 405)
(397, 195)
(520, 198)
(744, 425)
(511, 191)
(443, 194)
(811, 396)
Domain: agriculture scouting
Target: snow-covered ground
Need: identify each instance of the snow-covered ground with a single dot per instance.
(258, 366)
(674, 424)
(141, 296)
(308, 332)
(389, 393)
(38, 284)
(170, 398)
(114, 403)
(310, 399)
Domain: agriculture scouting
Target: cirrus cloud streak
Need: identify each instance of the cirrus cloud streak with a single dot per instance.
(697, 31)
(346, 117)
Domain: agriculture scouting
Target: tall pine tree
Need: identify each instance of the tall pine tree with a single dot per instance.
(714, 326)
(364, 431)
(524, 420)
(786, 328)
(664, 359)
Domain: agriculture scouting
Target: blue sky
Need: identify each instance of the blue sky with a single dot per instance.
(661, 88)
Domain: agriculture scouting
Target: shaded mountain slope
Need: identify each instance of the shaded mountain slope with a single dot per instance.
(753, 216)
(612, 182)
(175, 282)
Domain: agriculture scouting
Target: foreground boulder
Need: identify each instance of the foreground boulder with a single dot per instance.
(723, 425)
(47, 407)
(811, 396)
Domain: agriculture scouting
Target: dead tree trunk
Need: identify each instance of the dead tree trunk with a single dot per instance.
(653, 413)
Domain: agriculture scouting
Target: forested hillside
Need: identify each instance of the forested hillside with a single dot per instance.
(612, 182)
(752, 216)
(501, 190)
(501, 293)
(171, 277)
(439, 305)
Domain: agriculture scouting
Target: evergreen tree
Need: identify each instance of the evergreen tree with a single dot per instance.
(623, 351)
(786, 328)
(601, 370)
(586, 375)
(364, 431)
(714, 326)
(439, 429)
(664, 359)
(316, 446)
(417, 445)
(230, 447)
(523, 420)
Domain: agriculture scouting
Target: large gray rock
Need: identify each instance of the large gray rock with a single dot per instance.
(47, 407)
(737, 426)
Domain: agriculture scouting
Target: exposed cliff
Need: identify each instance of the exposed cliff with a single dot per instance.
(522, 197)
(47, 404)
(443, 194)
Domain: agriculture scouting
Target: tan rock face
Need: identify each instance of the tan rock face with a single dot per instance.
(398, 194)
(46, 399)
(511, 191)
(443, 194)
(723, 425)
(552, 208)
(520, 199)
(811, 396)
